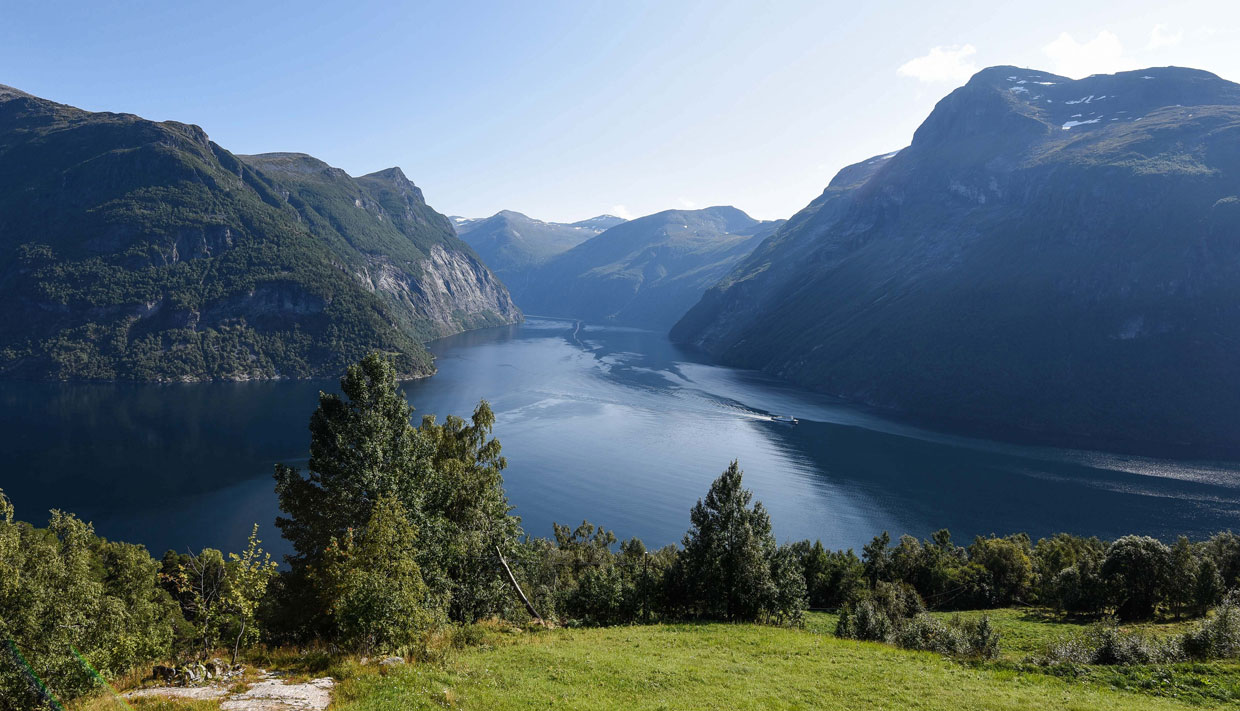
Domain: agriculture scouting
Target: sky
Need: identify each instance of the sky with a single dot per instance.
(566, 110)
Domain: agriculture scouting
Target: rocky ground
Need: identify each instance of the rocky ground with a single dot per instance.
(268, 693)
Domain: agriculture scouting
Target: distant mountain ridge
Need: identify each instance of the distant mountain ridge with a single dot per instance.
(1049, 256)
(140, 250)
(645, 272)
(512, 243)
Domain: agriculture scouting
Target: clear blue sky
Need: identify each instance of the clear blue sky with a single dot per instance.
(564, 110)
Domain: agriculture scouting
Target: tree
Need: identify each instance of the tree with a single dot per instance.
(1207, 586)
(200, 582)
(374, 590)
(876, 555)
(363, 446)
(1224, 549)
(247, 577)
(789, 602)
(466, 516)
(725, 571)
(1052, 556)
(831, 577)
(64, 589)
(1183, 565)
(1007, 563)
(1138, 568)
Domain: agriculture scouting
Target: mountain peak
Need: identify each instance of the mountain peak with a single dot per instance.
(512, 215)
(1013, 106)
(393, 174)
(7, 92)
(599, 222)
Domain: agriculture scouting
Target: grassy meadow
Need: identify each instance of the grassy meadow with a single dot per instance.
(745, 666)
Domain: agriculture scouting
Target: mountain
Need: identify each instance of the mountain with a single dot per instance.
(511, 243)
(1049, 257)
(599, 223)
(140, 250)
(645, 272)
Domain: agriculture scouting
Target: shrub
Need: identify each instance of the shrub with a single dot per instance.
(1106, 644)
(865, 620)
(981, 638)
(1218, 636)
(928, 634)
(1113, 646)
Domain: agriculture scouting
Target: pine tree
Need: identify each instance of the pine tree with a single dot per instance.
(363, 446)
(725, 571)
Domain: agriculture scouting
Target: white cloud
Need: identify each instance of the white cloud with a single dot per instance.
(1103, 54)
(621, 211)
(686, 203)
(1161, 37)
(942, 64)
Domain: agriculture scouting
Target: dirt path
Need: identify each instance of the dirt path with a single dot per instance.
(269, 693)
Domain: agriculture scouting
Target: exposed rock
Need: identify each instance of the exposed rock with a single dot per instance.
(270, 693)
(274, 695)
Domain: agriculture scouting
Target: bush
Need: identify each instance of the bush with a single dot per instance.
(1218, 636)
(1113, 646)
(894, 614)
(981, 638)
(928, 634)
(957, 637)
(879, 613)
(865, 620)
(1106, 644)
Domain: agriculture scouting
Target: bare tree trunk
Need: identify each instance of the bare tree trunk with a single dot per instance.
(237, 645)
(517, 586)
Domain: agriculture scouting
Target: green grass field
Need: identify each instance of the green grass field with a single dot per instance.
(720, 666)
(744, 667)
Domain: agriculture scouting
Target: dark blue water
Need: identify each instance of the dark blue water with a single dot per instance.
(612, 425)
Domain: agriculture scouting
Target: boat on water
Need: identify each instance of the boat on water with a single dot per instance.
(786, 419)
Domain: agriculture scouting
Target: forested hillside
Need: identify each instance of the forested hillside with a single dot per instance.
(137, 250)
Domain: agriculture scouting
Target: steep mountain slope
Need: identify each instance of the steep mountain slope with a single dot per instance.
(646, 272)
(1050, 256)
(131, 249)
(511, 243)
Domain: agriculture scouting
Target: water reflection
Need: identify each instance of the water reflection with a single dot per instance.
(615, 425)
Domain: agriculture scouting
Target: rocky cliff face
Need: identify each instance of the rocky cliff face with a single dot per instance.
(137, 250)
(1050, 258)
(432, 281)
(451, 290)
